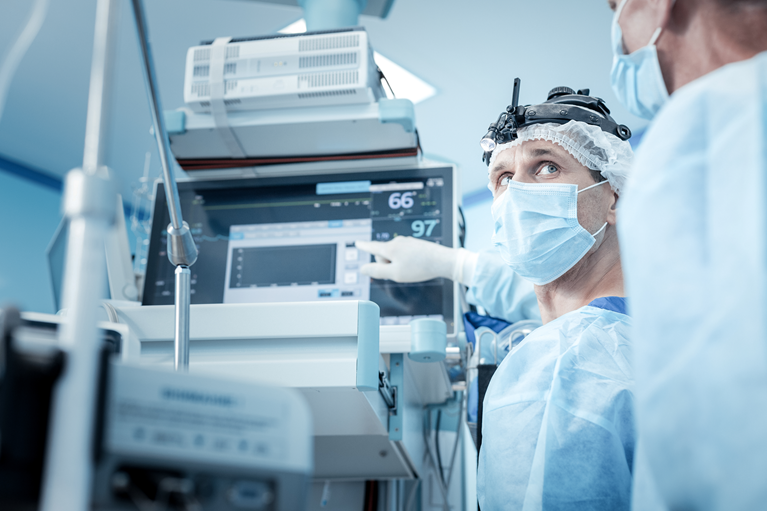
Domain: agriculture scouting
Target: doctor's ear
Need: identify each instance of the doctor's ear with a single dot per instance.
(612, 213)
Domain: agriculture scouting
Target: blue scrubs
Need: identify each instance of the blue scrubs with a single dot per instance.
(558, 427)
(693, 234)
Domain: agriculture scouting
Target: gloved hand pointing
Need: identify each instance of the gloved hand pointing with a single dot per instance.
(406, 259)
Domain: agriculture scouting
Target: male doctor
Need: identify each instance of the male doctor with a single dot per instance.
(693, 235)
(558, 429)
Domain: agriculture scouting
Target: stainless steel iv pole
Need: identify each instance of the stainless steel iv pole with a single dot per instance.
(182, 251)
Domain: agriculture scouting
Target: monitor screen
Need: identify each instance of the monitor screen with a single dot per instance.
(292, 239)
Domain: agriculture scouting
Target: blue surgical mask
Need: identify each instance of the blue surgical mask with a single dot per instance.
(637, 79)
(537, 231)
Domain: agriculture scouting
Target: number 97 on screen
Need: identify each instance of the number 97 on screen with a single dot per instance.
(423, 228)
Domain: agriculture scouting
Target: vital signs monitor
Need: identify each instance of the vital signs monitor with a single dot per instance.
(291, 239)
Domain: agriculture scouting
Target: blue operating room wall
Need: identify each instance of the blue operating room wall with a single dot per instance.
(29, 215)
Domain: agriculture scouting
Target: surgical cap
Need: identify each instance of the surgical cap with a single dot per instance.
(590, 145)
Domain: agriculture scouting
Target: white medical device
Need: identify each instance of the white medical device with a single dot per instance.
(161, 437)
(219, 443)
(278, 297)
(282, 71)
(330, 352)
(287, 98)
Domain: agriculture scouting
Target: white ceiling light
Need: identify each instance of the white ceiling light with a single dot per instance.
(404, 83)
(297, 27)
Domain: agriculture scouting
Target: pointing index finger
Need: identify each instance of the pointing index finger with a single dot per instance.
(376, 248)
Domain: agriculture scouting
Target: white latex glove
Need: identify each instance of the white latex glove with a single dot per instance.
(406, 259)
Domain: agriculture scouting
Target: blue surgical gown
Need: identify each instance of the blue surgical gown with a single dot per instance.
(558, 426)
(693, 234)
(501, 292)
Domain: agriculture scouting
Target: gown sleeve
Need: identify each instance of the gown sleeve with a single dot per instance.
(500, 291)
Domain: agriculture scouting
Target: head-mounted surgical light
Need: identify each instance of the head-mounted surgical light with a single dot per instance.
(562, 106)
(488, 142)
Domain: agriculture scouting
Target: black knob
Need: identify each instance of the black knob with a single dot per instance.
(559, 91)
(624, 133)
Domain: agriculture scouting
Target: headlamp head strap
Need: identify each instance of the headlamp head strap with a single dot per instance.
(562, 106)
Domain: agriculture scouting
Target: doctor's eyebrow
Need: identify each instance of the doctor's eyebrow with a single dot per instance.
(506, 165)
(500, 166)
(537, 153)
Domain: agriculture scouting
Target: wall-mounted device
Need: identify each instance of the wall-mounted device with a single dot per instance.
(287, 98)
(283, 71)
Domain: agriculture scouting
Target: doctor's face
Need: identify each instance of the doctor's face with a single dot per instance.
(541, 161)
(538, 161)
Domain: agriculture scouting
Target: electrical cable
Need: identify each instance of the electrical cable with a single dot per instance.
(382, 77)
(111, 312)
(430, 455)
(369, 506)
(437, 448)
(20, 47)
(469, 378)
(457, 439)
(139, 499)
(411, 496)
(444, 484)
(371, 495)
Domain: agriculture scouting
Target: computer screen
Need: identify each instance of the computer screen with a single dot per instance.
(292, 239)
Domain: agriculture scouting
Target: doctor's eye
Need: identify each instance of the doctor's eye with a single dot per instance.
(547, 169)
(504, 181)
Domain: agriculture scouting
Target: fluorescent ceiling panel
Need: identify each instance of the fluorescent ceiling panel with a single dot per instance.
(404, 83)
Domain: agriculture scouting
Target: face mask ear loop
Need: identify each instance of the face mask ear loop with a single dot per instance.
(655, 37)
(599, 230)
(593, 186)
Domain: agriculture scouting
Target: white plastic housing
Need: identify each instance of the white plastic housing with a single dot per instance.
(287, 71)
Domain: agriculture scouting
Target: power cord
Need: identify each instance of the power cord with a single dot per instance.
(382, 77)
(437, 448)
